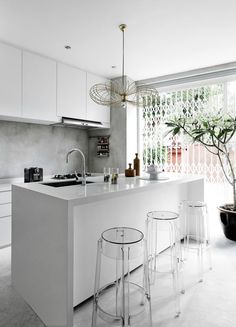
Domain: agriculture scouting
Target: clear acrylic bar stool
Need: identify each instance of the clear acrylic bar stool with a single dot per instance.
(196, 232)
(156, 223)
(127, 301)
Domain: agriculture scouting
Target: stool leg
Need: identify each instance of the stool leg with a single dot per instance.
(200, 257)
(185, 219)
(146, 281)
(180, 257)
(155, 254)
(117, 283)
(128, 287)
(182, 214)
(123, 314)
(174, 266)
(188, 219)
(149, 246)
(201, 235)
(209, 256)
(197, 221)
(208, 241)
(97, 282)
(171, 240)
(151, 234)
(176, 292)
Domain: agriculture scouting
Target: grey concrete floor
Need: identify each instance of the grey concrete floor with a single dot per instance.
(207, 304)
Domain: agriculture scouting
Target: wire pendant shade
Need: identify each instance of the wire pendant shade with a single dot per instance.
(122, 90)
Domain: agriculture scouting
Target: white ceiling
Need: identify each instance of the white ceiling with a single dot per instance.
(162, 37)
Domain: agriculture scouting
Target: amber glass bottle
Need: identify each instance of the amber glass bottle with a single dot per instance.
(137, 164)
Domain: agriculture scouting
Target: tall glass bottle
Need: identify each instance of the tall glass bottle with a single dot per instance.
(137, 164)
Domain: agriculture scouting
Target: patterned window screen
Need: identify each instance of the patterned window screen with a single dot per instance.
(178, 154)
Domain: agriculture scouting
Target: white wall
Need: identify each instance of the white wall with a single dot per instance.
(131, 134)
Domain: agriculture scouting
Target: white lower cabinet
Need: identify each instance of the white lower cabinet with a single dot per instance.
(5, 215)
(5, 232)
(5, 210)
(5, 197)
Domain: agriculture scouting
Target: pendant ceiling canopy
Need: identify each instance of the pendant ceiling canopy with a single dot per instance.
(121, 90)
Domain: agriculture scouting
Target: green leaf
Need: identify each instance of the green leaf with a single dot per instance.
(170, 124)
(176, 130)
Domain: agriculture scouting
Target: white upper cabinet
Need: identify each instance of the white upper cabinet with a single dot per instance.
(96, 112)
(39, 88)
(10, 81)
(71, 92)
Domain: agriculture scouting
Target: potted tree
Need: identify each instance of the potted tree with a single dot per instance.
(216, 133)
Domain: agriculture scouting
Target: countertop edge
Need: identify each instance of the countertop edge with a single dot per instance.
(124, 185)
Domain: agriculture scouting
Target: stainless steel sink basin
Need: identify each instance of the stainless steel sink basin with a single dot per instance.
(65, 183)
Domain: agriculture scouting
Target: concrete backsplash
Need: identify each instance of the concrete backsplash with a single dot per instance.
(30, 145)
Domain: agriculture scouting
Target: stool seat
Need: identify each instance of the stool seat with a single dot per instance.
(162, 215)
(196, 204)
(122, 235)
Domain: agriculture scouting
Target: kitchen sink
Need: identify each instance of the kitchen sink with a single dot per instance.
(66, 183)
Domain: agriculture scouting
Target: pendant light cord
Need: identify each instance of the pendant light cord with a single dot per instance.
(123, 61)
(122, 28)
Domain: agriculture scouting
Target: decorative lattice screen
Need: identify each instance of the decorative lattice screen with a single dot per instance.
(175, 154)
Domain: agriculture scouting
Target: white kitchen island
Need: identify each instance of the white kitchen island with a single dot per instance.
(55, 233)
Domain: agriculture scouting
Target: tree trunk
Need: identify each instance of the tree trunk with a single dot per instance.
(234, 194)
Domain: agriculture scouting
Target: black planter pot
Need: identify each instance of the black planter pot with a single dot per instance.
(228, 222)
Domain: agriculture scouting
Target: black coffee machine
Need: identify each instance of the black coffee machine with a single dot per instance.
(33, 174)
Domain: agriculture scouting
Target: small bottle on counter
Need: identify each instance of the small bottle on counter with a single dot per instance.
(137, 164)
(114, 175)
(130, 172)
(106, 174)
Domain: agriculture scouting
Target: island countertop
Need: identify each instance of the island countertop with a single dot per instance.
(98, 190)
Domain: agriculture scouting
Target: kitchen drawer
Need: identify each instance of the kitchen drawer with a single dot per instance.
(5, 210)
(5, 187)
(5, 197)
(5, 231)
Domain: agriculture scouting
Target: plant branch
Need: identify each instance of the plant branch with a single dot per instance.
(224, 171)
(229, 162)
(213, 132)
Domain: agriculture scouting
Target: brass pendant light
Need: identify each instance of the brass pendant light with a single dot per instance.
(122, 90)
